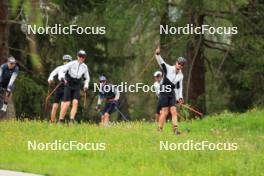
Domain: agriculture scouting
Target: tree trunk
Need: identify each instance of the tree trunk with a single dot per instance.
(195, 86)
(164, 39)
(194, 71)
(4, 31)
(4, 50)
(124, 107)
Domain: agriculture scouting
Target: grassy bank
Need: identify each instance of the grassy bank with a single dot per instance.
(134, 148)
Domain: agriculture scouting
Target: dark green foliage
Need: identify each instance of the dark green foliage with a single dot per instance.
(29, 97)
(234, 79)
(245, 66)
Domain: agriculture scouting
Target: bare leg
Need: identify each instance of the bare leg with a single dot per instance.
(53, 112)
(74, 108)
(6, 98)
(64, 107)
(102, 120)
(173, 112)
(106, 118)
(162, 117)
(157, 117)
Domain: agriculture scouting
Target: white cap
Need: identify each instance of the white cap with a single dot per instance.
(67, 57)
(157, 73)
(102, 78)
(81, 53)
(11, 59)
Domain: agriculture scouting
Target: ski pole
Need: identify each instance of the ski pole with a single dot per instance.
(85, 99)
(48, 90)
(192, 109)
(122, 115)
(46, 103)
(178, 114)
(49, 95)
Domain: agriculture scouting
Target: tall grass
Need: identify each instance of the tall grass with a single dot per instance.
(133, 148)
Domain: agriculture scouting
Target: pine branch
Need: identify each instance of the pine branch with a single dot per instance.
(222, 15)
(218, 43)
(214, 47)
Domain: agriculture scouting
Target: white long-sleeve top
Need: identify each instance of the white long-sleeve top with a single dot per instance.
(55, 72)
(76, 70)
(172, 74)
(157, 88)
(178, 92)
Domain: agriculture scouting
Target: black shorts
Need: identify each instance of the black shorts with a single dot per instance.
(109, 108)
(166, 100)
(58, 95)
(4, 85)
(71, 93)
(158, 108)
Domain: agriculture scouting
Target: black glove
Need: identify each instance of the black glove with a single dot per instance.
(115, 102)
(8, 92)
(64, 81)
(85, 89)
(98, 107)
(180, 101)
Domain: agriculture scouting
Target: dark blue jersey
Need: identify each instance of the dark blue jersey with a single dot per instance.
(108, 92)
(8, 76)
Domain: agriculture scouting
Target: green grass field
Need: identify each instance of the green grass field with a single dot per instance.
(134, 148)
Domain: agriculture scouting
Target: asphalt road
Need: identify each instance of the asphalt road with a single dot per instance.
(14, 173)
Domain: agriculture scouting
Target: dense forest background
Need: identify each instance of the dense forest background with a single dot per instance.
(224, 72)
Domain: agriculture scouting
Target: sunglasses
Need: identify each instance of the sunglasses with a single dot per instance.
(102, 81)
(82, 56)
(181, 64)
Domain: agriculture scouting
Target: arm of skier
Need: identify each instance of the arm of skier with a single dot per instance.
(117, 95)
(87, 80)
(53, 74)
(157, 89)
(163, 65)
(12, 79)
(1, 72)
(63, 70)
(179, 96)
